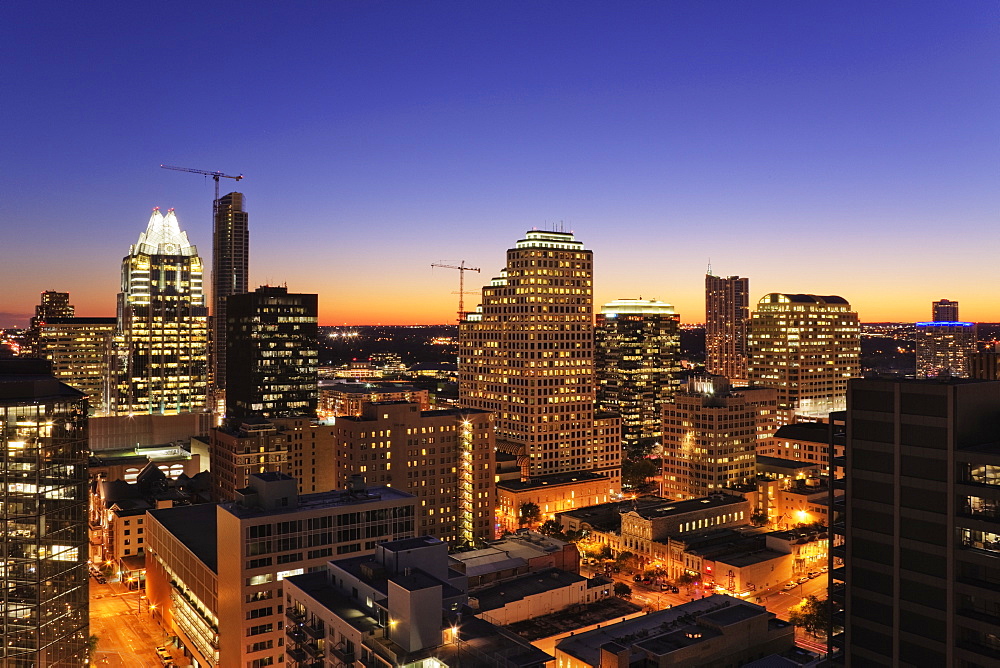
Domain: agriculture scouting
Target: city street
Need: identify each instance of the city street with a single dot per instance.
(127, 637)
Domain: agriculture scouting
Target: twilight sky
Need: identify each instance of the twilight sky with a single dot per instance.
(834, 147)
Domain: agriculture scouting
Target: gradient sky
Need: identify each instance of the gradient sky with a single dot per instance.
(828, 147)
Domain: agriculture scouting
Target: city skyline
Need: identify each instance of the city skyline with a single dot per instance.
(813, 149)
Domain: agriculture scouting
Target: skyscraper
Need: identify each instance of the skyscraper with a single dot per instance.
(230, 271)
(944, 348)
(79, 350)
(527, 355)
(51, 305)
(920, 542)
(43, 496)
(162, 338)
(271, 340)
(637, 363)
(806, 347)
(727, 308)
(945, 310)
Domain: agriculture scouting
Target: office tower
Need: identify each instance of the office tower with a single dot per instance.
(215, 573)
(944, 348)
(806, 347)
(944, 310)
(637, 350)
(271, 338)
(527, 355)
(443, 457)
(242, 448)
(709, 439)
(162, 338)
(52, 304)
(985, 365)
(230, 272)
(727, 308)
(43, 433)
(920, 544)
(79, 350)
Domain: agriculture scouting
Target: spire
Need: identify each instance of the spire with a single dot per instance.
(709, 270)
(163, 236)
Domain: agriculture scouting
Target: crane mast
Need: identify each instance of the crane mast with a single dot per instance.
(461, 283)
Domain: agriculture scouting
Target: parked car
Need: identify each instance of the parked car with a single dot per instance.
(637, 579)
(790, 585)
(164, 654)
(803, 579)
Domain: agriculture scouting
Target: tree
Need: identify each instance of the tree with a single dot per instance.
(685, 579)
(529, 513)
(758, 519)
(812, 615)
(92, 645)
(551, 528)
(622, 590)
(635, 473)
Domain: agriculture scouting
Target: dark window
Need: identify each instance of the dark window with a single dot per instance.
(926, 532)
(912, 403)
(873, 430)
(924, 468)
(915, 592)
(923, 499)
(921, 562)
(923, 436)
(872, 521)
(869, 460)
(870, 400)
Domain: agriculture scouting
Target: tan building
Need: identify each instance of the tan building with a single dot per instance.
(552, 494)
(806, 347)
(727, 309)
(805, 443)
(215, 572)
(255, 446)
(514, 555)
(527, 355)
(445, 458)
(131, 431)
(347, 398)
(80, 351)
(312, 458)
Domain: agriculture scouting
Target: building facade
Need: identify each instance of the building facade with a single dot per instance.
(944, 348)
(944, 310)
(637, 352)
(349, 398)
(271, 340)
(806, 347)
(527, 355)
(161, 343)
(79, 350)
(230, 272)
(43, 433)
(727, 309)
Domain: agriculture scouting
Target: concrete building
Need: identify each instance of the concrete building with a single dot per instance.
(348, 398)
(117, 432)
(710, 436)
(401, 606)
(718, 630)
(985, 365)
(79, 350)
(727, 310)
(161, 343)
(944, 348)
(443, 457)
(944, 310)
(215, 574)
(514, 555)
(230, 275)
(806, 347)
(920, 544)
(44, 619)
(527, 355)
(271, 340)
(240, 450)
(637, 352)
(552, 494)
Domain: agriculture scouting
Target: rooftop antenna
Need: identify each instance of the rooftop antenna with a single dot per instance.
(709, 270)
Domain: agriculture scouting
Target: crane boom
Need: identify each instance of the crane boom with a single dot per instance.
(215, 175)
(461, 283)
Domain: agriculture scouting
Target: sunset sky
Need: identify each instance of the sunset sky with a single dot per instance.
(841, 147)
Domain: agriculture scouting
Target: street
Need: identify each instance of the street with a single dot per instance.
(127, 637)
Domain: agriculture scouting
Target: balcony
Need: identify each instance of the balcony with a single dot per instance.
(342, 655)
(313, 650)
(296, 654)
(317, 632)
(294, 615)
(295, 634)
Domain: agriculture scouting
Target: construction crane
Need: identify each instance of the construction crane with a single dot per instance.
(215, 176)
(461, 284)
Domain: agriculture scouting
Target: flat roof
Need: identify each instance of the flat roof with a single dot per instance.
(554, 480)
(782, 463)
(332, 499)
(500, 594)
(689, 506)
(748, 558)
(195, 527)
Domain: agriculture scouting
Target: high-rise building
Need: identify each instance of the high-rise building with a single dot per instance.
(527, 355)
(944, 348)
(52, 304)
(709, 439)
(79, 350)
(944, 310)
(806, 347)
(230, 272)
(637, 355)
(727, 308)
(162, 338)
(443, 457)
(43, 496)
(271, 340)
(919, 543)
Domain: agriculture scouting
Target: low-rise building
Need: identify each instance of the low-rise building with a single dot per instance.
(553, 494)
(348, 398)
(516, 554)
(536, 594)
(718, 630)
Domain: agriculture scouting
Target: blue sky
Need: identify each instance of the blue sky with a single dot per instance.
(826, 147)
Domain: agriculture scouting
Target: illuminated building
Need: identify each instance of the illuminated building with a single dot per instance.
(944, 310)
(920, 541)
(52, 304)
(727, 308)
(445, 458)
(944, 348)
(271, 339)
(242, 448)
(527, 355)
(162, 338)
(230, 272)
(985, 365)
(79, 350)
(215, 573)
(637, 346)
(347, 398)
(806, 347)
(709, 439)
(43, 496)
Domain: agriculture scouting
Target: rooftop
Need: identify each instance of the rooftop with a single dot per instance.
(194, 527)
(553, 480)
(332, 499)
(500, 594)
(691, 505)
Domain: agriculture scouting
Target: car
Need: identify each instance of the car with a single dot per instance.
(803, 579)
(790, 585)
(664, 587)
(812, 574)
(675, 590)
(164, 654)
